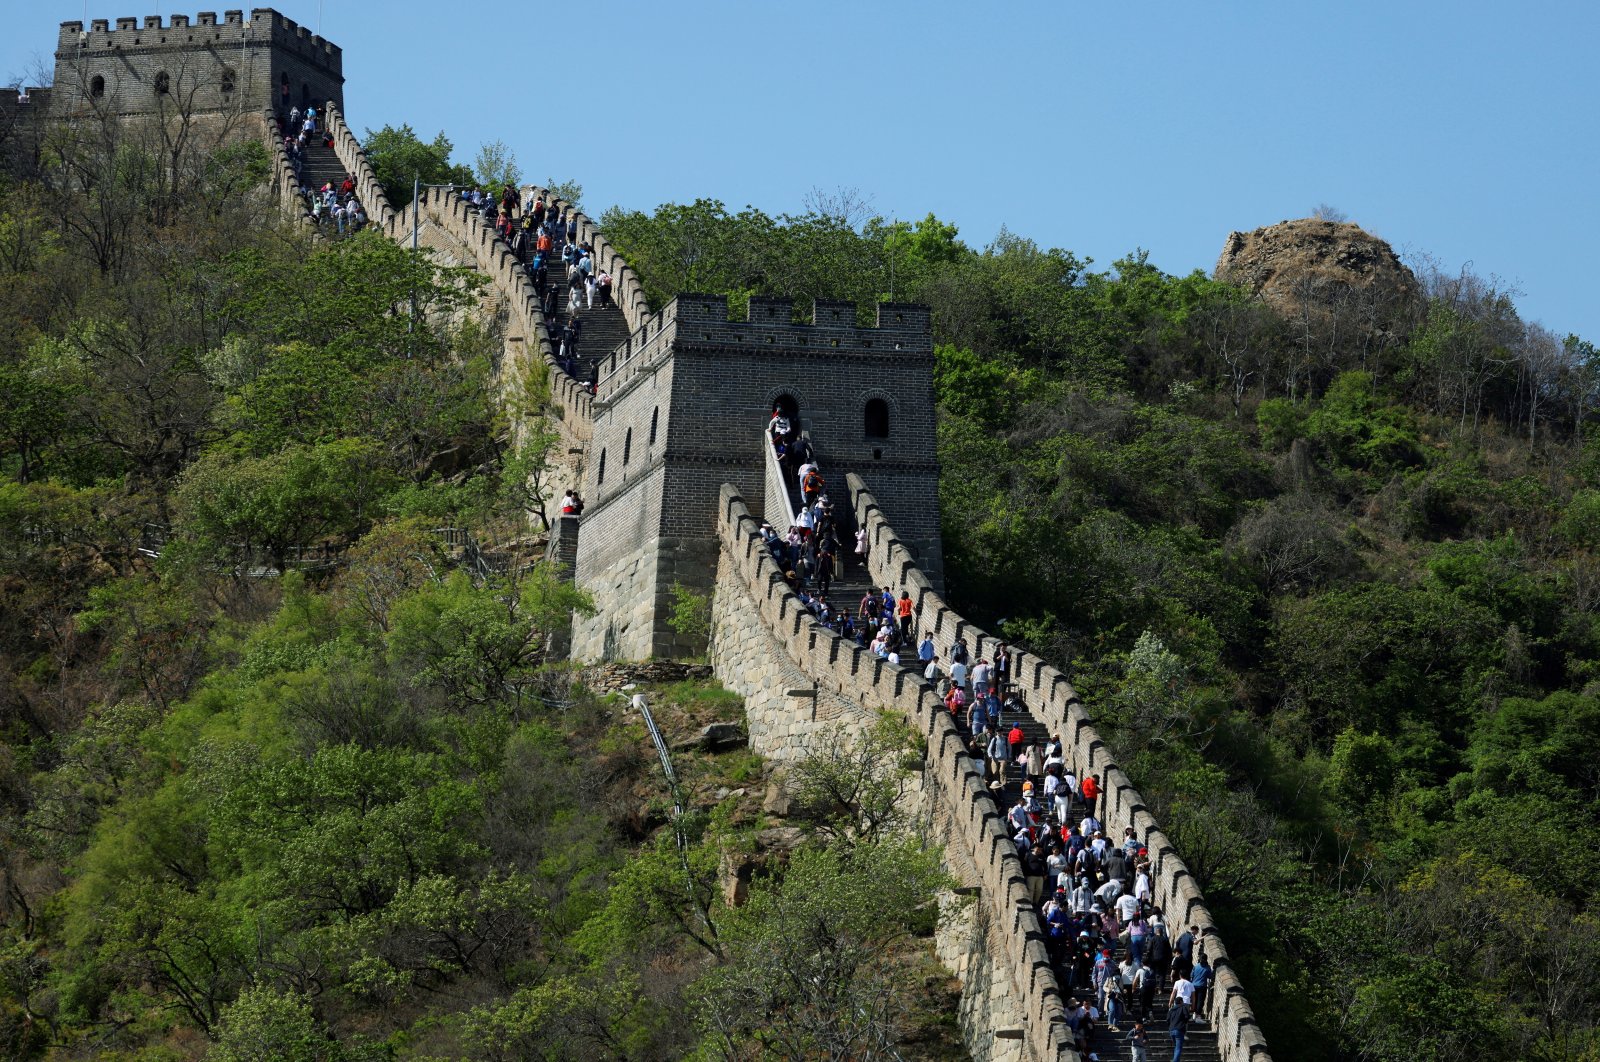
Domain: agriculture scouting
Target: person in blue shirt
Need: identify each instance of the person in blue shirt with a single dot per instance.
(1200, 977)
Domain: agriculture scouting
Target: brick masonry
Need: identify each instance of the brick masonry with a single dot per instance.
(232, 63)
(679, 412)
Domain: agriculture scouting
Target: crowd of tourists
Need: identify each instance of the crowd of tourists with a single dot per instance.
(1110, 943)
(329, 208)
(543, 237)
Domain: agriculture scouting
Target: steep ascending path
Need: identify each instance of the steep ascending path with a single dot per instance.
(893, 569)
(1055, 707)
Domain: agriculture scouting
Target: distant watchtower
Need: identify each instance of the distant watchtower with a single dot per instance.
(192, 67)
(681, 408)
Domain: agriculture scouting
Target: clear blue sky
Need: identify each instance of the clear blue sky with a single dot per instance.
(1466, 130)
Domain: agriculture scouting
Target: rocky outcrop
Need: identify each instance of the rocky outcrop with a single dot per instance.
(1320, 266)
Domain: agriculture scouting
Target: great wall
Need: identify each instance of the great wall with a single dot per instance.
(677, 500)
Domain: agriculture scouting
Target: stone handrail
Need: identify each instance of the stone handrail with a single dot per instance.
(973, 825)
(355, 163)
(778, 500)
(286, 185)
(494, 260)
(1052, 700)
(626, 290)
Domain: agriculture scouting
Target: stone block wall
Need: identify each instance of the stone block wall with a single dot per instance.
(526, 335)
(1052, 700)
(285, 185)
(229, 64)
(962, 815)
(693, 391)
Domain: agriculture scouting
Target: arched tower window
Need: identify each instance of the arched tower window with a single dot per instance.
(227, 79)
(163, 83)
(627, 447)
(600, 479)
(654, 413)
(877, 419)
(97, 87)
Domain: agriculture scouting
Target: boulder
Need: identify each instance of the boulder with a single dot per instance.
(723, 737)
(1322, 267)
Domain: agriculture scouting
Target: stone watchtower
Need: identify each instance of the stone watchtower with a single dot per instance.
(194, 67)
(681, 408)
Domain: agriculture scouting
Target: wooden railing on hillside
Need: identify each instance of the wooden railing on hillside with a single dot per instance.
(1052, 700)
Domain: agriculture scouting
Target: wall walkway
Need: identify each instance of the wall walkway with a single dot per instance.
(1052, 701)
(1028, 1007)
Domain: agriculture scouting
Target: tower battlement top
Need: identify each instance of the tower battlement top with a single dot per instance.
(264, 26)
(700, 322)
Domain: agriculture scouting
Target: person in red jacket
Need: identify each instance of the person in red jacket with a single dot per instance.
(1091, 791)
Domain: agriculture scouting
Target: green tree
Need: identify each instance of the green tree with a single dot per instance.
(229, 506)
(496, 166)
(398, 156)
(267, 1025)
(811, 971)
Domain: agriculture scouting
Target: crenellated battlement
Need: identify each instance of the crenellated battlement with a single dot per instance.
(264, 26)
(700, 323)
(133, 66)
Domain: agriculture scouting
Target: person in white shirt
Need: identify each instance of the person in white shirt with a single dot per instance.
(1141, 885)
(958, 674)
(1182, 989)
(1127, 906)
(980, 678)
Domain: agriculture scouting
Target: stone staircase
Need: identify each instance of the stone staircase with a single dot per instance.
(603, 328)
(319, 166)
(1200, 1043)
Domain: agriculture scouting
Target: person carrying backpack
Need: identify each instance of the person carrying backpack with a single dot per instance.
(811, 485)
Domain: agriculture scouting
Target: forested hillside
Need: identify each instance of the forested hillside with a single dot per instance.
(1328, 577)
(285, 771)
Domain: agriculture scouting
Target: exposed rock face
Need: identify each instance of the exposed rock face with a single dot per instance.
(1326, 266)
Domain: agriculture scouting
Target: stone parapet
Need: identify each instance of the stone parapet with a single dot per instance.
(355, 162)
(967, 820)
(1052, 700)
(285, 185)
(526, 326)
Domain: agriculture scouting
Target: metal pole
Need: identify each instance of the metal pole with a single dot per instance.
(416, 222)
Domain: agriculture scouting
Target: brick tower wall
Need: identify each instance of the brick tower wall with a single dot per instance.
(211, 64)
(710, 385)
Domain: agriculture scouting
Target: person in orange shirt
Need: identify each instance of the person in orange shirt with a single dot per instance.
(904, 609)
